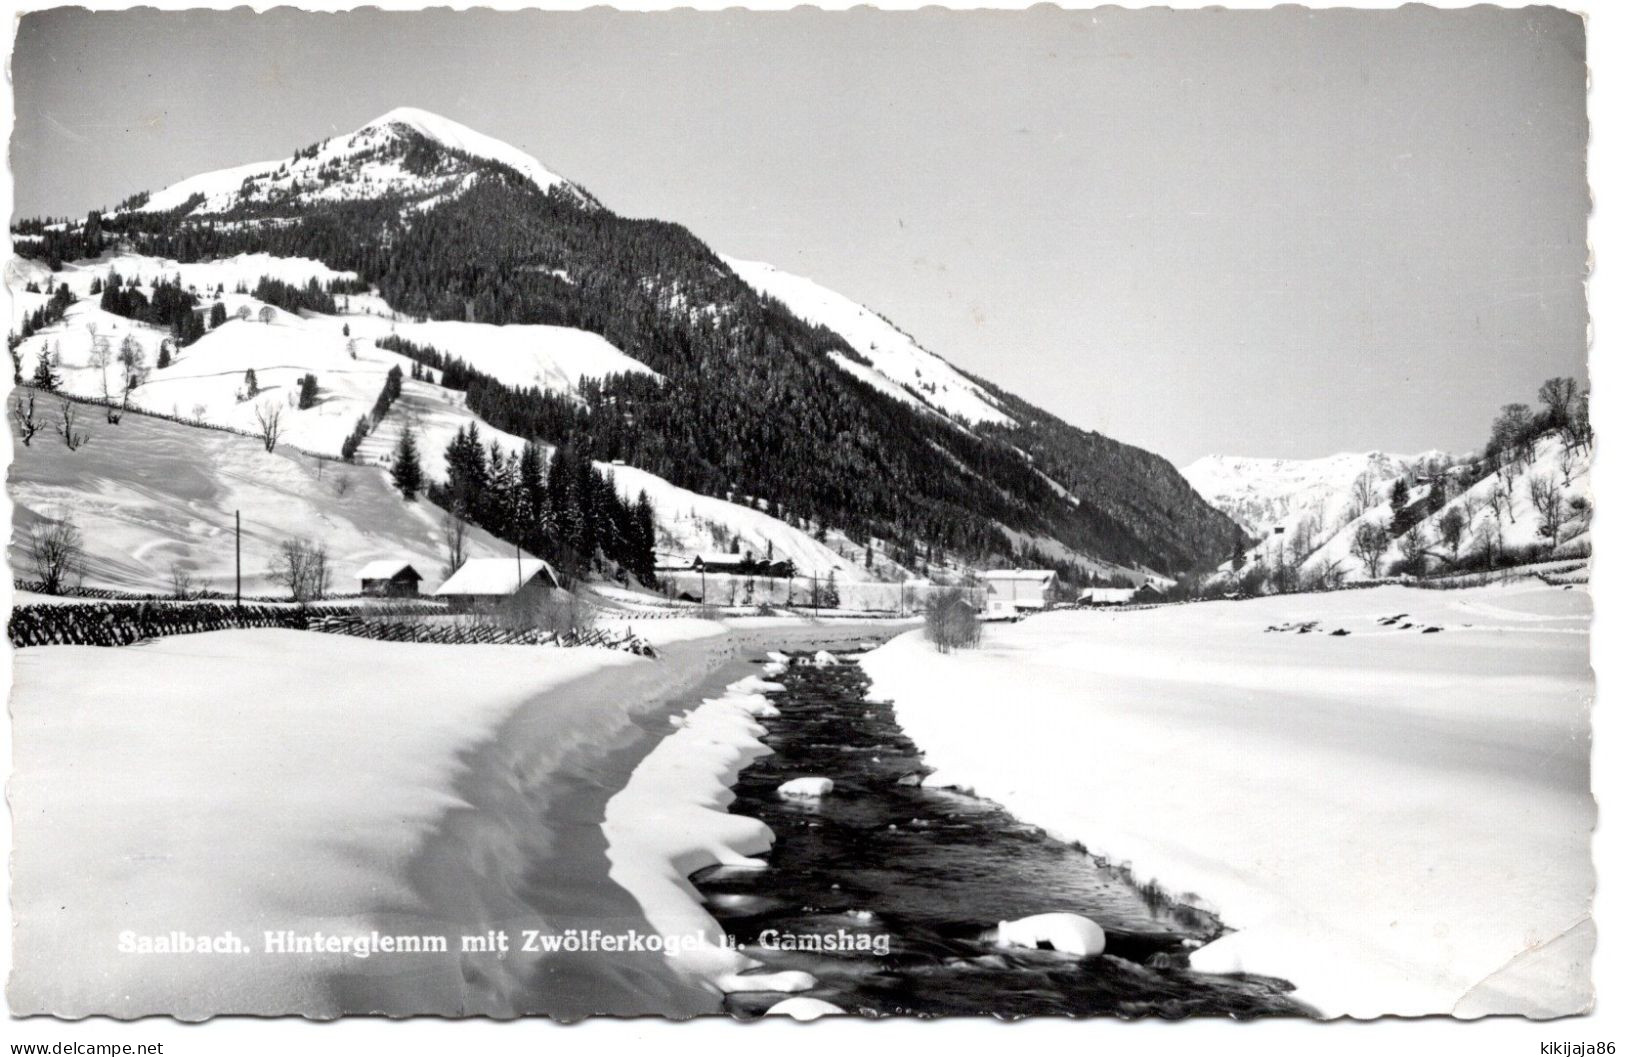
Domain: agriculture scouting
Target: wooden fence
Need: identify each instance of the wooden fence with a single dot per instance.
(116, 624)
(126, 623)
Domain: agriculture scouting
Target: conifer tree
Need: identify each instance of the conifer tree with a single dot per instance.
(408, 471)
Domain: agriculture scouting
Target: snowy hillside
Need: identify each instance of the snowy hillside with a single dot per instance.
(205, 383)
(1260, 494)
(148, 495)
(1338, 518)
(1497, 514)
(370, 162)
(897, 365)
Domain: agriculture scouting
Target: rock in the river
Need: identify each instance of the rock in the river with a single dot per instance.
(806, 788)
(803, 1008)
(1067, 933)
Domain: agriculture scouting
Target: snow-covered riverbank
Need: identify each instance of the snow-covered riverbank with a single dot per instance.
(251, 781)
(1396, 820)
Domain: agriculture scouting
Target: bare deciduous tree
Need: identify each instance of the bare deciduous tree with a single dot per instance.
(73, 435)
(1501, 498)
(455, 529)
(1322, 576)
(56, 552)
(1550, 510)
(1565, 464)
(301, 567)
(1512, 432)
(267, 314)
(1413, 549)
(269, 415)
(950, 620)
(1369, 545)
(1452, 524)
(180, 582)
(1366, 491)
(22, 409)
(1559, 395)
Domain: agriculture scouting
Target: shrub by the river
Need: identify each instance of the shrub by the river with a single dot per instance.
(950, 621)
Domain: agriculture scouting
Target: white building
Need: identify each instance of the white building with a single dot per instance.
(1019, 589)
(1107, 596)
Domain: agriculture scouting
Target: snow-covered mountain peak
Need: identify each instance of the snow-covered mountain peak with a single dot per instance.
(460, 137)
(379, 159)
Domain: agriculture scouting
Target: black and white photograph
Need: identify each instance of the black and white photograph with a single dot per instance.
(1055, 514)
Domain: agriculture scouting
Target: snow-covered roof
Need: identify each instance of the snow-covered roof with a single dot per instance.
(1018, 574)
(1108, 594)
(385, 569)
(724, 558)
(496, 576)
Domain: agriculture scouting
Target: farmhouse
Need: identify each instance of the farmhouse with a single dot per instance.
(725, 562)
(1019, 588)
(483, 583)
(389, 577)
(1107, 596)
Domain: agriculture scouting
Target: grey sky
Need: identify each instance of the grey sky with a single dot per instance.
(1261, 233)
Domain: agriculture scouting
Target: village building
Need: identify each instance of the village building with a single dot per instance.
(1019, 589)
(484, 583)
(389, 578)
(1107, 596)
(741, 562)
(727, 563)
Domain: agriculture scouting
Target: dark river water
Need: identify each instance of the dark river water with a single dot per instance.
(932, 872)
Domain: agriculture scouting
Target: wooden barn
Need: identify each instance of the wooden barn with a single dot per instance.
(485, 583)
(389, 578)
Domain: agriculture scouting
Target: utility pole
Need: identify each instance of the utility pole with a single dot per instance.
(239, 559)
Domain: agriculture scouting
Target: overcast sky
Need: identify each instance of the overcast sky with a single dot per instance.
(1276, 233)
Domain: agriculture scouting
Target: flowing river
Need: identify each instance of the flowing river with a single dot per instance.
(898, 887)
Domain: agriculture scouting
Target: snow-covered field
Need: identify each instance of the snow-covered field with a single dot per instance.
(1397, 821)
(258, 780)
(315, 784)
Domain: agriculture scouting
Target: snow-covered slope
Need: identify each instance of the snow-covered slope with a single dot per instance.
(205, 381)
(1259, 494)
(368, 163)
(149, 494)
(1306, 514)
(897, 365)
(1504, 522)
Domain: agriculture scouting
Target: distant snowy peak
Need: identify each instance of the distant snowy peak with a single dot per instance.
(1261, 493)
(380, 158)
(897, 365)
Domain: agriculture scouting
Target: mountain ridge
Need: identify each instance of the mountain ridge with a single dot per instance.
(750, 399)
